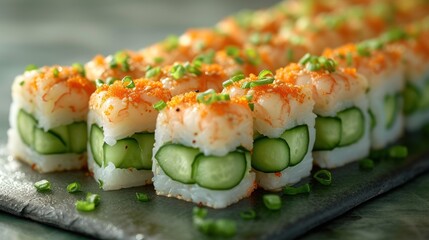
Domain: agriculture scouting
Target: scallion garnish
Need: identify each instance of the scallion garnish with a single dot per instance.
(125, 66)
(251, 106)
(256, 83)
(262, 74)
(289, 54)
(210, 96)
(313, 66)
(366, 164)
(207, 57)
(232, 51)
(142, 197)
(42, 185)
(272, 201)
(178, 71)
(128, 81)
(56, 72)
(79, 68)
(253, 56)
(315, 63)
(305, 59)
(260, 38)
(98, 82)
(153, 72)
(110, 80)
(158, 60)
(363, 50)
(31, 67)
(159, 105)
(22, 83)
(248, 215)
(232, 80)
(398, 151)
(73, 187)
(323, 176)
(288, 190)
(122, 58)
(349, 59)
(171, 43)
(193, 68)
(85, 206)
(215, 227)
(93, 198)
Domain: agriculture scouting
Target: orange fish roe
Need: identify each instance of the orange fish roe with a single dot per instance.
(289, 73)
(283, 89)
(187, 99)
(134, 95)
(79, 82)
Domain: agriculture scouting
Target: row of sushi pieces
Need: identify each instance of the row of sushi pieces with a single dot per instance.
(202, 135)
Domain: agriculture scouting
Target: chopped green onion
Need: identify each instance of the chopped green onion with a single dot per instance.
(366, 164)
(93, 198)
(193, 68)
(232, 80)
(362, 50)
(98, 82)
(110, 80)
(248, 215)
(251, 106)
(79, 68)
(207, 58)
(43, 185)
(56, 72)
(171, 43)
(272, 201)
(125, 65)
(262, 74)
(253, 56)
(245, 85)
(297, 190)
(306, 58)
(199, 212)
(22, 83)
(73, 187)
(100, 184)
(393, 35)
(398, 152)
(129, 82)
(289, 54)
(256, 83)
(313, 67)
(349, 59)
(158, 60)
(223, 97)
(113, 63)
(249, 97)
(207, 97)
(153, 72)
(85, 206)
(31, 67)
(142, 197)
(323, 176)
(178, 71)
(227, 83)
(260, 38)
(232, 51)
(159, 105)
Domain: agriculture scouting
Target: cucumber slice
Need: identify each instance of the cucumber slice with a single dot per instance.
(424, 101)
(328, 133)
(145, 141)
(219, 173)
(391, 106)
(124, 154)
(352, 125)
(26, 124)
(297, 139)
(48, 142)
(78, 137)
(96, 142)
(270, 154)
(63, 133)
(412, 98)
(176, 161)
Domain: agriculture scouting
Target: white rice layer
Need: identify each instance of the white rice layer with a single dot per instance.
(417, 119)
(116, 178)
(340, 156)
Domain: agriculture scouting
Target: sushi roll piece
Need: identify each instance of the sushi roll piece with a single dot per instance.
(284, 128)
(48, 118)
(201, 152)
(121, 125)
(342, 123)
(383, 69)
(117, 66)
(415, 51)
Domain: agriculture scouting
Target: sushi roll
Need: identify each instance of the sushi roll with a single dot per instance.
(48, 118)
(117, 66)
(284, 128)
(201, 152)
(383, 69)
(121, 125)
(342, 123)
(415, 52)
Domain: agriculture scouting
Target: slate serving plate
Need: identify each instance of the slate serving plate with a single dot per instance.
(120, 215)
